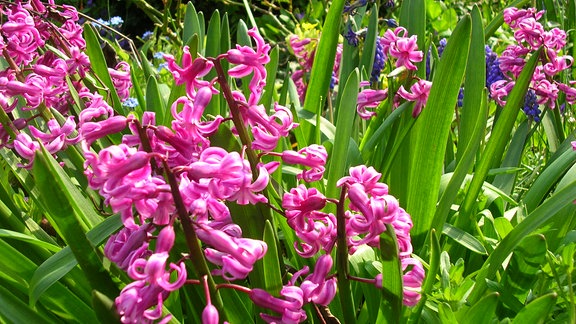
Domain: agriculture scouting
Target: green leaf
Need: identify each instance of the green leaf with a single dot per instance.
(430, 278)
(481, 312)
(424, 178)
(474, 84)
(521, 272)
(191, 23)
(531, 223)
(321, 73)
(98, 64)
(29, 239)
(272, 274)
(212, 50)
(271, 69)
(548, 178)
(465, 163)
(392, 291)
(536, 312)
(367, 59)
(513, 158)
(15, 311)
(464, 239)
(58, 265)
(104, 308)
(492, 155)
(446, 314)
(154, 101)
(344, 126)
(65, 202)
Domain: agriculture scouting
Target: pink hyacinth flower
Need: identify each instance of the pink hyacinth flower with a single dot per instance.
(419, 92)
(235, 255)
(290, 307)
(369, 98)
(313, 156)
(406, 52)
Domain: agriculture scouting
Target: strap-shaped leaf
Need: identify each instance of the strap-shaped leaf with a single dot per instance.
(63, 201)
(58, 265)
(98, 63)
(492, 155)
(474, 84)
(344, 126)
(392, 292)
(432, 134)
(324, 59)
(536, 312)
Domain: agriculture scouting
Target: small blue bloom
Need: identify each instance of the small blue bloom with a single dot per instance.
(130, 103)
(158, 55)
(493, 72)
(441, 46)
(116, 21)
(100, 22)
(333, 80)
(461, 97)
(162, 66)
(147, 35)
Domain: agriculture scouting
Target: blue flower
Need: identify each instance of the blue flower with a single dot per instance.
(130, 103)
(351, 6)
(116, 21)
(378, 62)
(391, 23)
(158, 55)
(531, 106)
(351, 36)
(162, 66)
(100, 22)
(493, 72)
(147, 35)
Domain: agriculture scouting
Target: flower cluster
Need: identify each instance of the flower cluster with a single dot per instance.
(165, 178)
(34, 87)
(131, 177)
(531, 35)
(370, 208)
(403, 50)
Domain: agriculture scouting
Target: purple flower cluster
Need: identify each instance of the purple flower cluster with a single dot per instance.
(530, 35)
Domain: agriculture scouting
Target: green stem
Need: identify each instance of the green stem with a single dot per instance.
(237, 118)
(196, 254)
(346, 300)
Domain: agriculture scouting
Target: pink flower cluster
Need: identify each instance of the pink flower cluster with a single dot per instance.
(36, 77)
(531, 35)
(318, 287)
(131, 177)
(370, 208)
(404, 50)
